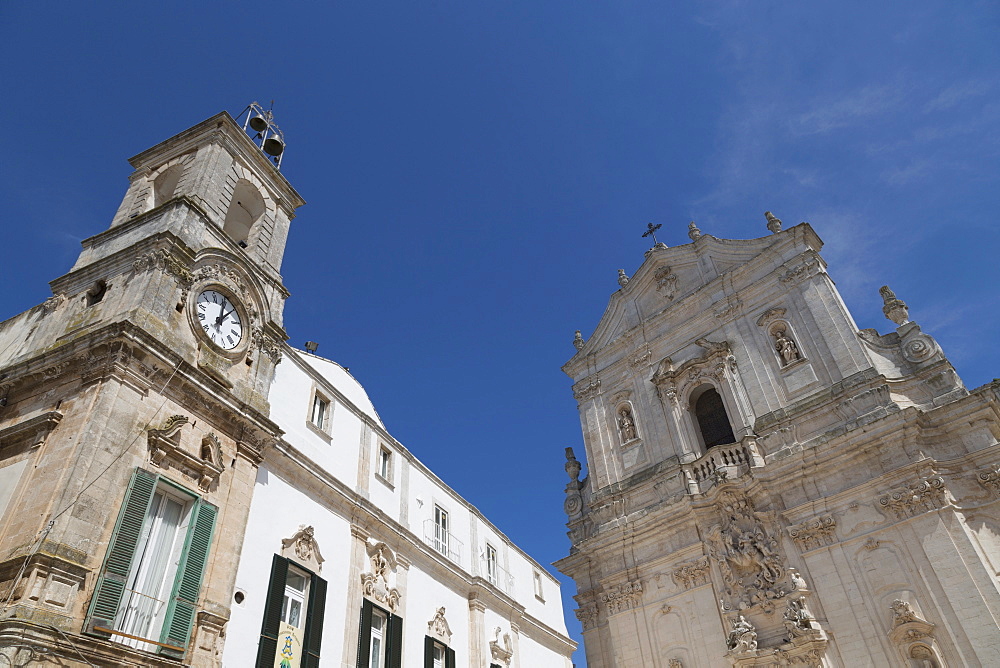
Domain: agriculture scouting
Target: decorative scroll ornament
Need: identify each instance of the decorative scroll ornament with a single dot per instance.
(809, 266)
(587, 616)
(501, 653)
(692, 573)
(438, 627)
(623, 597)
(303, 548)
(817, 532)
(746, 554)
(913, 635)
(266, 345)
(769, 315)
(375, 585)
(587, 388)
(990, 478)
(921, 496)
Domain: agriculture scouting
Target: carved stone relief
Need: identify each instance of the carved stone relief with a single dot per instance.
(438, 627)
(990, 478)
(587, 616)
(817, 532)
(587, 388)
(375, 584)
(623, 597)
(166, 450)
(923, 495)
(666, 282)
(501, 653)
(692, 573)
(303, 548)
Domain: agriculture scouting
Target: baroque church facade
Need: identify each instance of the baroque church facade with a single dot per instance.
(768, 485)
(179, 486)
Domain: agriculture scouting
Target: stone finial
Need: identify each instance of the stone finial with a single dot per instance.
(622, 278)
(572, 465)
(693, 231)
(893, 308)
(773, 222)
(578, 340)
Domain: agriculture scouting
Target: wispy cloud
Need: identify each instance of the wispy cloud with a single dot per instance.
(958, 93)
(848, 108)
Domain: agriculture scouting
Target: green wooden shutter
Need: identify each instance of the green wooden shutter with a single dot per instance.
(394, 651)
(121, 551)
(428, 652)
(267, 649)
(183, 605)
(314, 622)
(449, 657)
(365, 636)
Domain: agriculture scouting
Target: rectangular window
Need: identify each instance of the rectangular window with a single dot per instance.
(292, 629)
(437, 654)
(381, 641)
(147, 590)
(441, 535)
(538, 585)
(320, 409)
(492, 571)
(385, 464)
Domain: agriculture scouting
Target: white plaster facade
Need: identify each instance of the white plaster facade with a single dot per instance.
(767, 485)
(329, 479)
(149, 496)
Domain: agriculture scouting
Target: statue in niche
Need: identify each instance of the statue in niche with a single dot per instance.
(786, 348)
(743, 637)
(627, 424)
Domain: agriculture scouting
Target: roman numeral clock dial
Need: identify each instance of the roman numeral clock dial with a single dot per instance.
(219, 319)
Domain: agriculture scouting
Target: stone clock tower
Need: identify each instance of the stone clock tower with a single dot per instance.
(134, 413)
(767, 484)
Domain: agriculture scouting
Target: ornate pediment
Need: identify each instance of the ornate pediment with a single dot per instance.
(375, 584)
(303, 548)
(438, 627)
(166, 451)
(501, 653)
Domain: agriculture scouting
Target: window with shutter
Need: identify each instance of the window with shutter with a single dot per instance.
(147, 591)
(292, 629)
(437, 654)
(380, 644)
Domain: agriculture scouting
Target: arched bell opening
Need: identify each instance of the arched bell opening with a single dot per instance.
(711, 418)
(165, 184)
(245, 209)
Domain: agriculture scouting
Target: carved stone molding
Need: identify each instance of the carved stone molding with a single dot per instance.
(769, 315)
(166, 450)
(809, 266)
(501, 653)
(375, 585)
(587, 389)
(623, 597)
(52, 303)
(989, 478)
(692, 573)
(438, 627)
(921, 496)
(303, 548)
(671, 382)
(587, 616)
(640, 357)
(30, 433)
(816, 532)
(266, 345)
(164, 260)
(913, 635)
(728, 309)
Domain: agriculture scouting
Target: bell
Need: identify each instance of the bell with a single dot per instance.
(258, 123)
(273, 146)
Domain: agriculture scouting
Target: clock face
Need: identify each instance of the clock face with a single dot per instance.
(220, 319)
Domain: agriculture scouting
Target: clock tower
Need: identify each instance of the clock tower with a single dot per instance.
(134, 413)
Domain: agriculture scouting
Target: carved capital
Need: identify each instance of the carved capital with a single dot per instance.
(920, 496)
(816, 532)
(623, 597)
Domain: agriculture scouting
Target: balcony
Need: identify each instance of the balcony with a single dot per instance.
(443, 541)
(721, 463)
(497, 576)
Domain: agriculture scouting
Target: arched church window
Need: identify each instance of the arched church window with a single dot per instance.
(713, 421)
(165, 184)
(246, 207)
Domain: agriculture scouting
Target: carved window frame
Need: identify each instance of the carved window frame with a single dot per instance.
(385, 459)
(691, 395)
(322, 430)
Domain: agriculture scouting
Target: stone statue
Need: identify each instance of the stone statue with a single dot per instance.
(693, 231)
(773, 222)
(743, 637)
(786, 347)
(622, 278)
(797, 618)
(626, 424)
(578, 340)
(797, 580)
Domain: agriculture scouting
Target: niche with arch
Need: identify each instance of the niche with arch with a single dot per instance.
(245, 209)
(711, 419)
(625, 419)
(166, 183)
(784, 344)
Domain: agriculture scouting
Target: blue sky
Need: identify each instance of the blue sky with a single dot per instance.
(477, 172)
